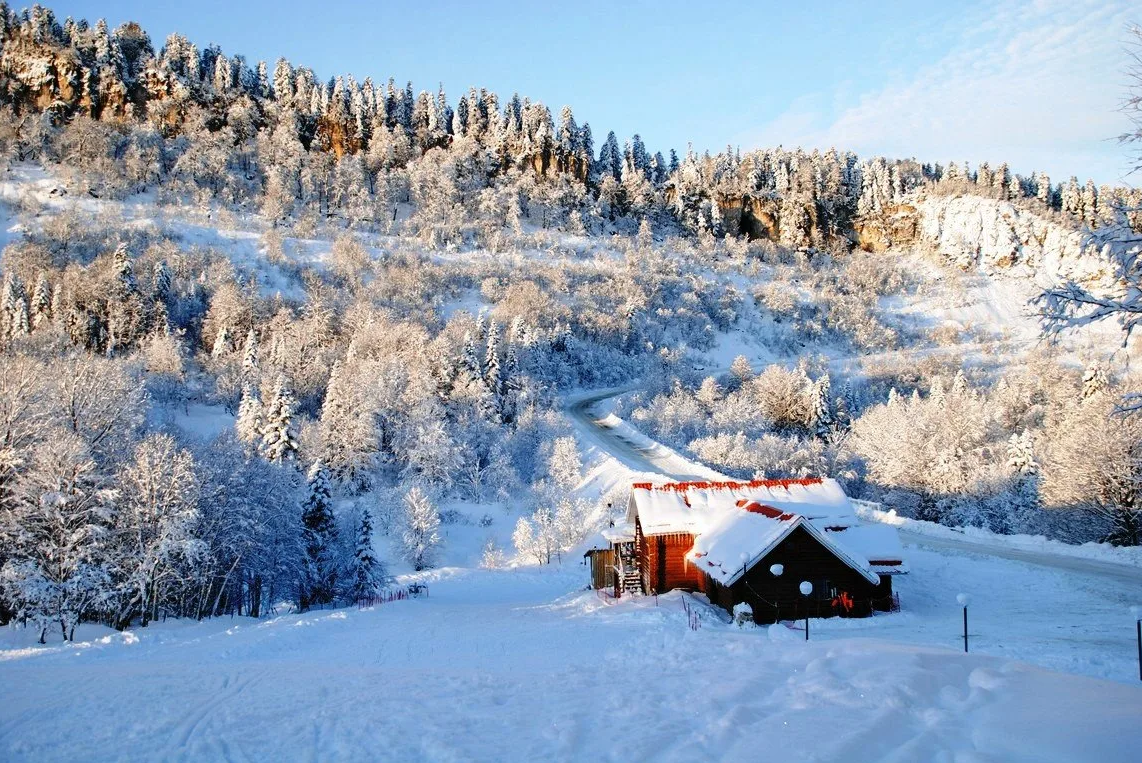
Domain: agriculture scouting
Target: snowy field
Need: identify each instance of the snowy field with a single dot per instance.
(523, 665)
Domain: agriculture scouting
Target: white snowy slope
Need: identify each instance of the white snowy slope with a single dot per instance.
(506, 666)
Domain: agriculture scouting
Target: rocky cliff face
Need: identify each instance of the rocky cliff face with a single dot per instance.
(989, 234)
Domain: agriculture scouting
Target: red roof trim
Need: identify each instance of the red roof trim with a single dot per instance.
(756, 508)
(682, 487)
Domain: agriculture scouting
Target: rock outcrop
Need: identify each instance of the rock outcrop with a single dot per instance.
(989, 234)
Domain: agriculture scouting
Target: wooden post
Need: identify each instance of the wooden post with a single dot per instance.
(965, 630)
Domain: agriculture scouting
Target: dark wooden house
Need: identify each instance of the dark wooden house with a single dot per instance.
(756, 542)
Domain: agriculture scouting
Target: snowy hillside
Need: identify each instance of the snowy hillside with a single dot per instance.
(314, 393)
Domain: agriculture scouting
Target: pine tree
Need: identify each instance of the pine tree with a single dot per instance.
(221, 347)
(470, 362)
(13, 295)
(162, 281)
(1025, 501)
(822, 410)
(513, 386)
(419, 536)
(1043, 188)
(248, 424)
(250, 358)
(366, 572)
(320, 534)
(611, 158)
(124, 269)
(279, 438)
(492, 376)
(41, 302)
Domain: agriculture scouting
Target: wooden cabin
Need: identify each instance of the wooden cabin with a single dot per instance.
(727, 540)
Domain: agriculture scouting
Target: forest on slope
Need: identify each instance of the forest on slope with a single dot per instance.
(408, 287)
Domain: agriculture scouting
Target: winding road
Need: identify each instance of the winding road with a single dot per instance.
(644, 455)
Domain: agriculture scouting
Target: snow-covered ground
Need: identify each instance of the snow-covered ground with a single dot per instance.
(520, 665)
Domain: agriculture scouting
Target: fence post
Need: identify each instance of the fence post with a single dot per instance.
(964, 600)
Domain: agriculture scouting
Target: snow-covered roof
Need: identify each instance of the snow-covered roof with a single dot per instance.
(746, 536)
(621, 532)
(693, 506)
(729, 519)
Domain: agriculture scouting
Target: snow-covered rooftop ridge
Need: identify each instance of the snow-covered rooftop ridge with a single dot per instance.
(692, 506)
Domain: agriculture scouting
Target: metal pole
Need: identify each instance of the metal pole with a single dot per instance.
(806, 626)
(965, 630)
(1139, 624)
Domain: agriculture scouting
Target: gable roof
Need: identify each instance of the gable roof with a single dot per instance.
(745, 537)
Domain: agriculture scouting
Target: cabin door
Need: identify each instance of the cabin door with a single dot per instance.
(660, 582)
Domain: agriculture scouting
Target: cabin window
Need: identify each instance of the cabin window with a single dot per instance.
(824, 589)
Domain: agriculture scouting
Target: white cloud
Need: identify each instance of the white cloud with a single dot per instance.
(1036, 84)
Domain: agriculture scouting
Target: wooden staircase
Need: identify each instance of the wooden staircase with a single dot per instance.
(627, 572)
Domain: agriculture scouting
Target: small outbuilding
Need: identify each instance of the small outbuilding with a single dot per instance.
(611, 556)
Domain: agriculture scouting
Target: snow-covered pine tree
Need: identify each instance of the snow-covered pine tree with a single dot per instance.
(366, 573)
(1043, 191)
(250, 358)
(124, 269)
(611, 157)
(320, 531)
(492, 377)
(41, 302)
(471, 370)
(279, 438)
(248, 423)
(1025, 503)
(221, 346)
(419, 533)
(13, 294)
(20, 327)
(822, 408)
(959, 384)
(162, 281)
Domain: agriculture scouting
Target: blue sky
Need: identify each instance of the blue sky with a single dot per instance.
(1033, 82)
